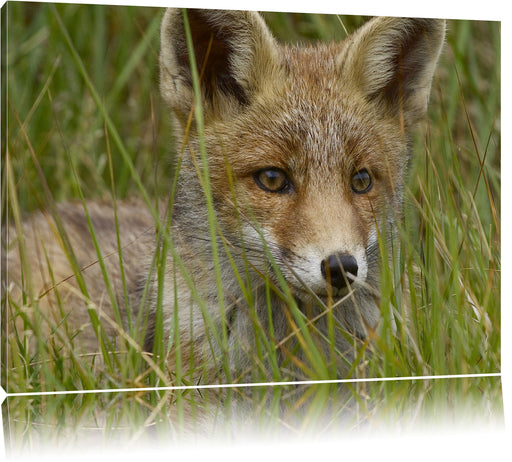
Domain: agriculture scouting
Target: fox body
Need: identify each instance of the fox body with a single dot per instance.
(292, 165)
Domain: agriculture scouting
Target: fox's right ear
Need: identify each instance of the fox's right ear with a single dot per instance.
(234, 53)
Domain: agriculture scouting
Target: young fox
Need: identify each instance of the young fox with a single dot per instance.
(291, 166)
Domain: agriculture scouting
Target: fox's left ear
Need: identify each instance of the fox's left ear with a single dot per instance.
(392, 61)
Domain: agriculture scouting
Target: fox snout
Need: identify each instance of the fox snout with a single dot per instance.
(339, 270)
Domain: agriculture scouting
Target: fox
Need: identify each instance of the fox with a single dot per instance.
(290, 168)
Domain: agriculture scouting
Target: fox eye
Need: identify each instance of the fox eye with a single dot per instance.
(272, 180)
(361, 182)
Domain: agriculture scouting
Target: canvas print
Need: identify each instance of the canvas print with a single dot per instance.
(218, 218)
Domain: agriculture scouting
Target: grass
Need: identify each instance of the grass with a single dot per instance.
(91, 124)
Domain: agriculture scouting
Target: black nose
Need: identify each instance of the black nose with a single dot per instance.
(339, 270)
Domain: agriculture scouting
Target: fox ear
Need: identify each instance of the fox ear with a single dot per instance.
(234, 52)
(392, 61)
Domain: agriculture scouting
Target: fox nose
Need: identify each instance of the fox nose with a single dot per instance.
(339, 270)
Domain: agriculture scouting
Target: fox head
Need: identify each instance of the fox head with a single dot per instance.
(306, 146)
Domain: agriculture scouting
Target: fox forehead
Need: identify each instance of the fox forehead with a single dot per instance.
(309, 115)
(315, 66)
(301, 127)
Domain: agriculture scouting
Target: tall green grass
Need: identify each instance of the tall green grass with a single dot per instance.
(86, 121)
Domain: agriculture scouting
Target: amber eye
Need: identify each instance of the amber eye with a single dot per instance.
(272, 180)
(361, 182)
